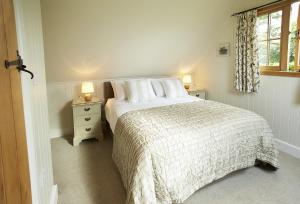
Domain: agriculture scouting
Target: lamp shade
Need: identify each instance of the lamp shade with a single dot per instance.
(87, 87)
(187, 79)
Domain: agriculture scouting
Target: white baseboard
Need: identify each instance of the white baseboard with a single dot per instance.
(288, 148)
(54, 195)
(54, 133)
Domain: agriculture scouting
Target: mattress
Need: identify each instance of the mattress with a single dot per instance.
(116, 108)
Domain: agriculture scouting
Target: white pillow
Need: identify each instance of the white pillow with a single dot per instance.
(151, 91)
(139, 90)
(182, 91)
(174, 88)
(158, 88)
(119, 91)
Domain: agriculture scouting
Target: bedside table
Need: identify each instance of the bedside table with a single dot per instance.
(200, 93)
(87, 119)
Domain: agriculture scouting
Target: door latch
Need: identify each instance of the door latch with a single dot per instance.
(19, 63)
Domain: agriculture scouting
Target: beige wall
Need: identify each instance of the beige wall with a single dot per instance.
(99, 39)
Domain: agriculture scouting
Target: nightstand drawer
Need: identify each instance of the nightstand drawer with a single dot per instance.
(85, 132)
(199, 94)
(86, 110)
(87, 120)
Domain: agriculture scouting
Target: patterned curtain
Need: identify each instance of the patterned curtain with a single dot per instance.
(247, 77)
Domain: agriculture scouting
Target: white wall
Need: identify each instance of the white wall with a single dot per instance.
(97, 39)
(30, 41)
(113, 38)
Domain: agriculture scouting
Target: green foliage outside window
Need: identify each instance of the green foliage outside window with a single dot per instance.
(269, 38)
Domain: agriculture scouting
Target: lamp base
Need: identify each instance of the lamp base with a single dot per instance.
(88, 97)
(187, 87)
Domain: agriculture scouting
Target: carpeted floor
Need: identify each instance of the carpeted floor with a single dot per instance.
(87, 175)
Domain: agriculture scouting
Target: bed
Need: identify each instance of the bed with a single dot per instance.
(166, 149)
(115, 108)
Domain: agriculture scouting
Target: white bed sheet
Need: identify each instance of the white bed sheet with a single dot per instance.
(115, 108)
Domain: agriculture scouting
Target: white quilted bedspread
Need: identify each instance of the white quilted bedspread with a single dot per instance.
(165, 154)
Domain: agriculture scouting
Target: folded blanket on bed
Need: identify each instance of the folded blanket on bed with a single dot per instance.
(165, 154)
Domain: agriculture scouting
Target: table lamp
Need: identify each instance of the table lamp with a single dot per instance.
(87, 88)
(187, 80)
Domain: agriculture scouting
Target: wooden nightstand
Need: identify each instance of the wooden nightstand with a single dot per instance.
(87, 119)
(200, 93)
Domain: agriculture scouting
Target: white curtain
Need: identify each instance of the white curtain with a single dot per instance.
(247, 78)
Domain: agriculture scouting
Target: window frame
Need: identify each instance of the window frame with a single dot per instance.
(297, 64)
(282, 69)
(268, 12)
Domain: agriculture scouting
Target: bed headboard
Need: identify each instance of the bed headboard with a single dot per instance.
(108, 91)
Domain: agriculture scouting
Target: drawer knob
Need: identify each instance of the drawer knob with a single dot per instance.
(87, 119)
(87, 109)
(88, 129)
(197, 95)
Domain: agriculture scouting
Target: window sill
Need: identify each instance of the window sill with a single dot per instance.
(280, 73)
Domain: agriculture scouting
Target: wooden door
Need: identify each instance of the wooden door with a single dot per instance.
(14, 170)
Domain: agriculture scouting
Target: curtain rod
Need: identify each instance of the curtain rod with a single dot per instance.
(258, 7)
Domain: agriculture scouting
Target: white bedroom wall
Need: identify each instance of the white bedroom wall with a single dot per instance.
(99, 39)
(30, 42)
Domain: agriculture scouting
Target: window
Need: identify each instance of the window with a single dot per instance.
(278, 28)
(269, 38)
